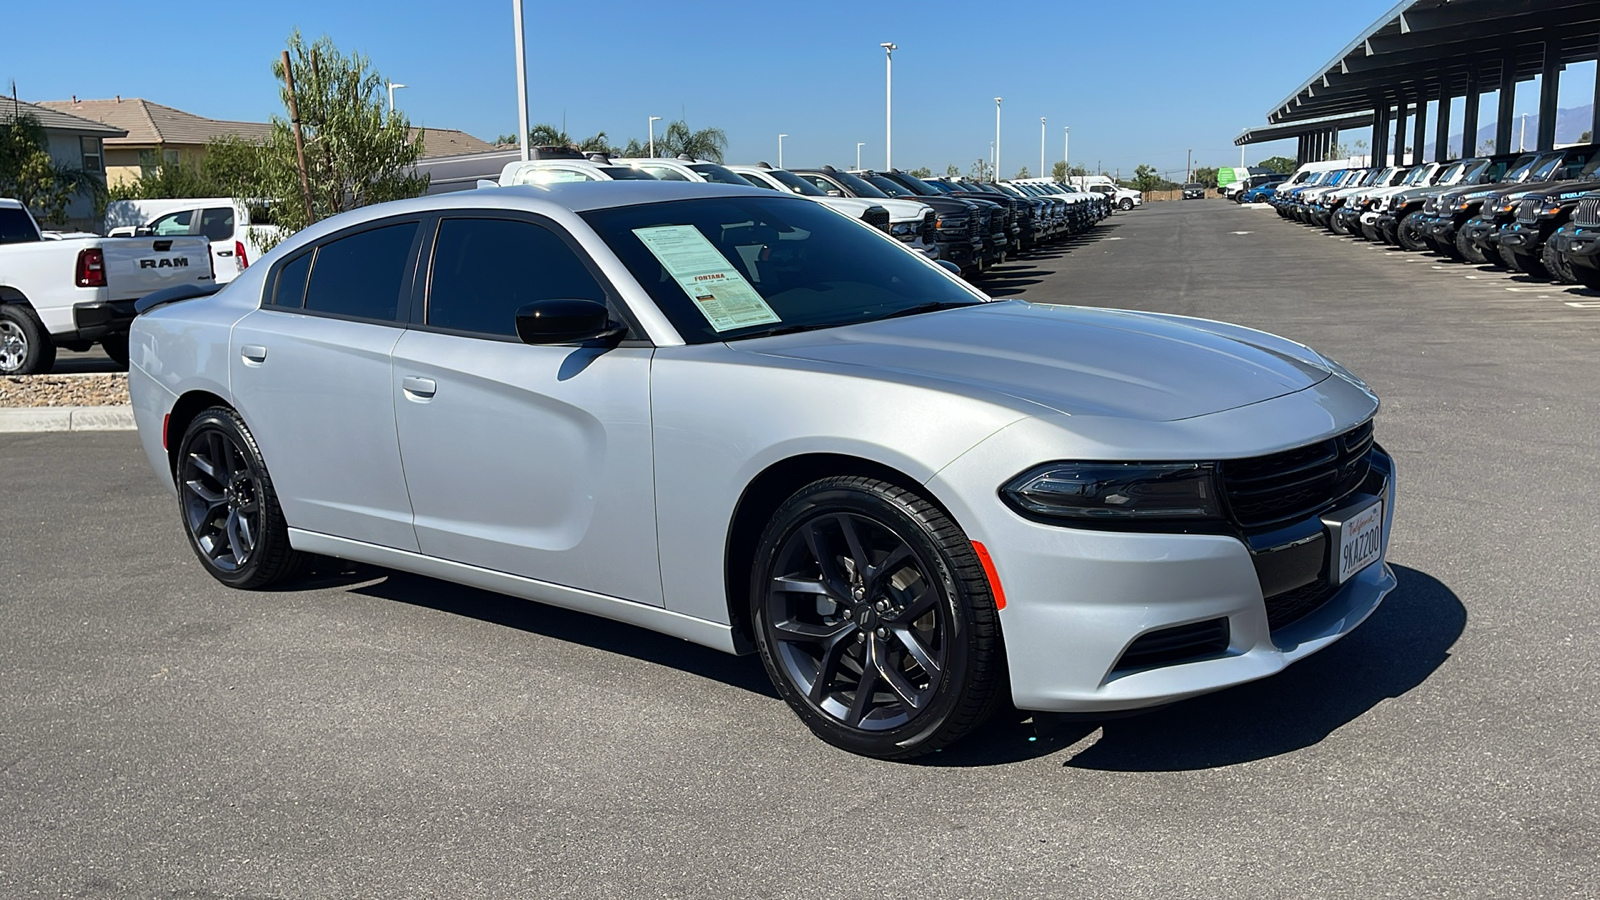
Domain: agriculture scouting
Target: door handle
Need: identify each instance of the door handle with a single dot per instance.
(419, 388)
(253, 354)
(224, 252)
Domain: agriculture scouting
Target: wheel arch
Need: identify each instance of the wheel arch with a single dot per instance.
(762, 497)
(10, 294)
(188, 405)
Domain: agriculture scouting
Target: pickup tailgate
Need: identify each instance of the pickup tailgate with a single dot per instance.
(136, 266)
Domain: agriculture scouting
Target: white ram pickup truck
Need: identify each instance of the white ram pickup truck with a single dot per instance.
(73, 293)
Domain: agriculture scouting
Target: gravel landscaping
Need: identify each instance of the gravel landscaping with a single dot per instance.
(63, 390)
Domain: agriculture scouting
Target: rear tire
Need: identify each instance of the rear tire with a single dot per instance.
(25, 345)
(116, 347)
(874, 619)
(228, 506)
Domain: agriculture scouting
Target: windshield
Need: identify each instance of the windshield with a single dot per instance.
(795, 183)
(623, 173)
(1520, 168)
(859, 185)
(717, 174)
(915, 183)
(1543, 170)
(891, 187)
(1193, 186)
(1415, 175)
(773, 265)
(1450, 174)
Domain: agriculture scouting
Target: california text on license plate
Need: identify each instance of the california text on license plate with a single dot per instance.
(1360, 541)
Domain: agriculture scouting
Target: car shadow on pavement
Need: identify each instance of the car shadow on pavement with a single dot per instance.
(743, 672)
(1393, 652)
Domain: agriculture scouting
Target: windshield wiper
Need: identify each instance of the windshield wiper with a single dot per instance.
(928, 307)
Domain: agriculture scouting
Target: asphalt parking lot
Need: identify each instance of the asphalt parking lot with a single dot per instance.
(370, 734)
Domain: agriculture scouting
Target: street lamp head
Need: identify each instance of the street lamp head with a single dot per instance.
(396, 85)
(997, 101)
(1041, 120)
(655, 118)
(889, 46)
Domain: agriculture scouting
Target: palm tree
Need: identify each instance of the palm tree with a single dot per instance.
(707, 143)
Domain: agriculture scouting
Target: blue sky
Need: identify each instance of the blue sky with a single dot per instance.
(1137, 84)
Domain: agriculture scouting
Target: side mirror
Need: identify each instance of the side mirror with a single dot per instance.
(143, 231)
(834, 192)
(566, 321)
(950, 267)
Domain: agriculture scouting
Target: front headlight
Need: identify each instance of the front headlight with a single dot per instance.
(1116, 492)
(905, 229)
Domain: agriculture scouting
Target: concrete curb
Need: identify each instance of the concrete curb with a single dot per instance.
(66, 418)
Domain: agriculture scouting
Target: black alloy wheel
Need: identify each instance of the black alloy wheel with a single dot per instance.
(874, 619)
(229, 509)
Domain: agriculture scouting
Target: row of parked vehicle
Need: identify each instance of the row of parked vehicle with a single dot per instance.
(971, 224)
(75, 291)
(1532, 212)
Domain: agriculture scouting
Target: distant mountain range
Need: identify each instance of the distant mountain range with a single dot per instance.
(1570, 126)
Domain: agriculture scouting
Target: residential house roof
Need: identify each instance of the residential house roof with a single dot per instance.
(54, 120)
(152, 124)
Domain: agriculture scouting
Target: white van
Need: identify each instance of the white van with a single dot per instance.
(237, 230)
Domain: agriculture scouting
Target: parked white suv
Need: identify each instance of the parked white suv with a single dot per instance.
(74, 293)
(910, 222)
(238, 231)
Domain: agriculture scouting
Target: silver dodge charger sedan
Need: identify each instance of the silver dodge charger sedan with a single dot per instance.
(748, 421)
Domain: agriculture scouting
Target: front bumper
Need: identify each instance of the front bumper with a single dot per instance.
(100, 320)
(1580, 245)
(1523, 237)
(1078, 600)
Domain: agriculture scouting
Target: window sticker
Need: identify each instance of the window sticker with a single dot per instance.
(718, 290)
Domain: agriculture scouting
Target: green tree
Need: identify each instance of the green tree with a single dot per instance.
(952, 171)
(1023, 173)
(678, 140)
(921, 172)
(357, 152)
(1145, 178)
(1586, 137)
(1059, 171)
(1281, 164)
(1206, 175)
(29, 175)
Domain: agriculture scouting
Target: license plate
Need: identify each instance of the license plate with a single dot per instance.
(1357, 539)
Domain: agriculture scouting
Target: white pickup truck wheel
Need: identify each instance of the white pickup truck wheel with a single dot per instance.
(25, 347)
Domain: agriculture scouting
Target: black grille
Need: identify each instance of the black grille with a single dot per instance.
(1587, 213)
(928, 228)
(877, 217)
(1182, 643)
(1431, 205)
(1528, 209)
(1270, 490)
(1291, 606)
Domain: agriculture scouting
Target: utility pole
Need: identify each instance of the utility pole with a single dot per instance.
(1188, 172)
(888, 104)
(522, 81)
(299, 141)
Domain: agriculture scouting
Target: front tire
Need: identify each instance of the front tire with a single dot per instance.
(25, 346)
(116, 347)
(1469, 251)
(1126, 204)
(228, 506)
(874, 619)
(1410, 234)
(1560, 269)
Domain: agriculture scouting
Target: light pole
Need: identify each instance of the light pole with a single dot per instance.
(997, 138)
(1522, 142)
(392, 88)
(780, 149)
(522, 82)
(651, 125)
(1041, 146)
(1066, 158)
(888, 104)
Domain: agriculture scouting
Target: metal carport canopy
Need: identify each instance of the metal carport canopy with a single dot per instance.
(1297, 129)
(1433, 47)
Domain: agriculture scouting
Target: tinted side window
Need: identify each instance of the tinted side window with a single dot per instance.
(360, 275)
(15, 226)
(217, 224)
(290, 287)
(484, 269)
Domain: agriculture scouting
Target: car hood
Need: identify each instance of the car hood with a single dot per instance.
(904, 210)
(1074, 360)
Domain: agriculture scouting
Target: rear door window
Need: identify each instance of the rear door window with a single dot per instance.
(172, 223)
(15, 226)
(217, 224)
(360, 276)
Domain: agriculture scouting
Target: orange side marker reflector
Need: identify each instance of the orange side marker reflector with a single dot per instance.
(989, 572)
